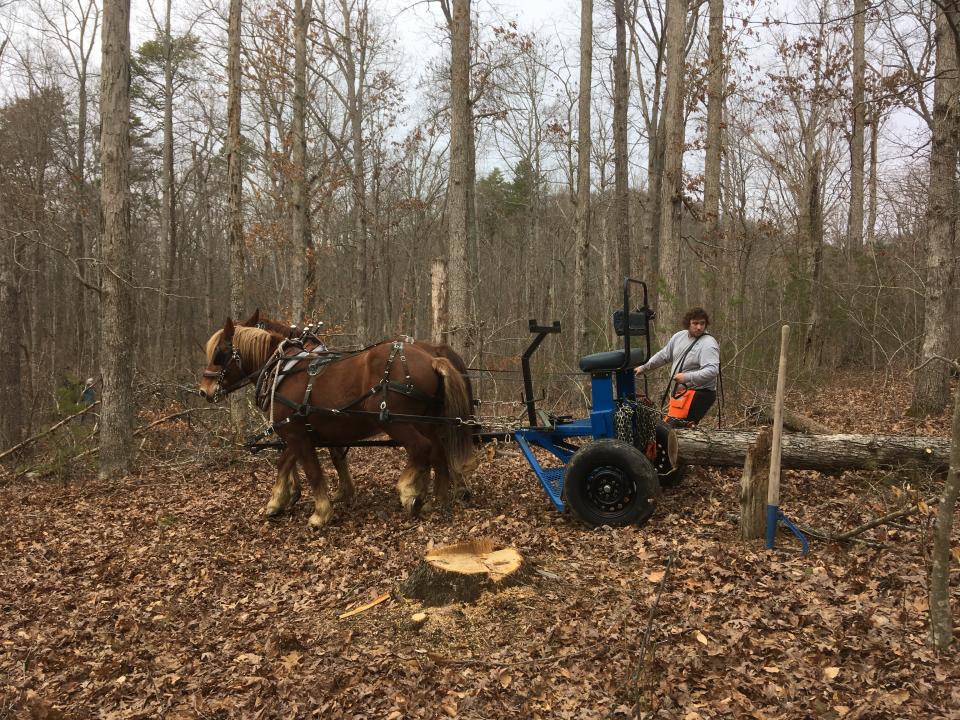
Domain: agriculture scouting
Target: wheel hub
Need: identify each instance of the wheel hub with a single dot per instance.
(610, 489)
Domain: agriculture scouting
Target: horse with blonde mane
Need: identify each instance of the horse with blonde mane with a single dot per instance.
(286, 489)
(396, 388)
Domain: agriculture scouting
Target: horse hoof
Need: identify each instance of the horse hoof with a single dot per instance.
(273, 511)
(318, 520)
(416, 506)
(341, 495)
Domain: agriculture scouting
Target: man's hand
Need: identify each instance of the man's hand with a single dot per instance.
(639, 370)
(679, 378)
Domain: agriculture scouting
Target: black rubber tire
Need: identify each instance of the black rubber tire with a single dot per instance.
(610, 482)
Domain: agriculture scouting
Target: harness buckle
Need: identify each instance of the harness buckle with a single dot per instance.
(384, 414)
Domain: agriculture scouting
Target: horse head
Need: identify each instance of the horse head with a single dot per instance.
(224, 364)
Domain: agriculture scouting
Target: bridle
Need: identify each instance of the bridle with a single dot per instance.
(221, 375)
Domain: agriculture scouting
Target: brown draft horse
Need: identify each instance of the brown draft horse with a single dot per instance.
(410, 384)
(286, 489)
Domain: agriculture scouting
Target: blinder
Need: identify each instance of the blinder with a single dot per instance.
(220, 375)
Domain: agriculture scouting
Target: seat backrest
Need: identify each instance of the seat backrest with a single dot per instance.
(638, 319)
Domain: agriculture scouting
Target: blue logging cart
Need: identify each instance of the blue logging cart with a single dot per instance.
(613, 461)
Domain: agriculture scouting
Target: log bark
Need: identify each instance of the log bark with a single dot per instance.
(463, 572)
(826, 453)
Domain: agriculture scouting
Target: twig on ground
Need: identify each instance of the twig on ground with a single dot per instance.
(646, 634)
(823, 535)
(876, 522)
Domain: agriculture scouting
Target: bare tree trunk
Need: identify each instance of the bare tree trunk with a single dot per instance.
(932, 389)
(234, 168)
(941, 615)
(653, 121)
(460, 164)
(11, 419)
(206, 226)
(79, 213)
(671, 198)
(855, 223)
(168, 233)
(872, 181)
(621, 94)
(812, 233)
(472, 342)
(235, 185)
(116, 339)
(300, 222)
(438, 302)
(711, 181)
(652, 215)
(581, 284)
(354, 64)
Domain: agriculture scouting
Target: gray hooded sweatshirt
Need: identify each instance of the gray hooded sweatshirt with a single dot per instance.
(700, 367)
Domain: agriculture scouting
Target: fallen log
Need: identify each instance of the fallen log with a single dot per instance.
(826, 453)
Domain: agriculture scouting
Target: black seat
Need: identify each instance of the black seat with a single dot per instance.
(612, 360)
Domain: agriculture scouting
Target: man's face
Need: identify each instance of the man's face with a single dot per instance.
(698, 327)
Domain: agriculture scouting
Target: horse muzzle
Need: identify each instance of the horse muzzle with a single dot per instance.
(211, 395)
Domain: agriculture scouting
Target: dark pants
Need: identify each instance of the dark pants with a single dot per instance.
(690, 407)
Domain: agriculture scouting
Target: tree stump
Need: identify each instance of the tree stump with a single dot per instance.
(753, 488)
(463, 572)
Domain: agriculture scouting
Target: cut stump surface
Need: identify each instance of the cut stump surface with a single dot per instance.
(462, 572)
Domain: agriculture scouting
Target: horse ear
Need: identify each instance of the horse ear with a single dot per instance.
(253, 320)
(228, 329)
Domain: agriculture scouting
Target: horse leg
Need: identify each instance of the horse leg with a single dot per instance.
(286, 488)
(448, 484)
(345, 489)
(306, 455)
(441, 474)
(416, 473)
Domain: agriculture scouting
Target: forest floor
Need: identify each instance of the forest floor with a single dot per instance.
(168, 594)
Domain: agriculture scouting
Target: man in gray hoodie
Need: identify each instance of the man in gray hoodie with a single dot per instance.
(695, 357)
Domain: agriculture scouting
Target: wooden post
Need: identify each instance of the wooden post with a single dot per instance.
(773, 489)
(438, 302)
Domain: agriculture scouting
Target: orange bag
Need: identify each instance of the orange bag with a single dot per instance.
(679, 405)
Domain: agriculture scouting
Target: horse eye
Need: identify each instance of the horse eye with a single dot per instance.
(220, 357)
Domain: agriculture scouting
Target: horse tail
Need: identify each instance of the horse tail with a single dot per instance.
(457, 403)
(459, 365)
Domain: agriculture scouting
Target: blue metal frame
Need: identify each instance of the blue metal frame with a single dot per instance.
(555, 440)
(607, 387)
